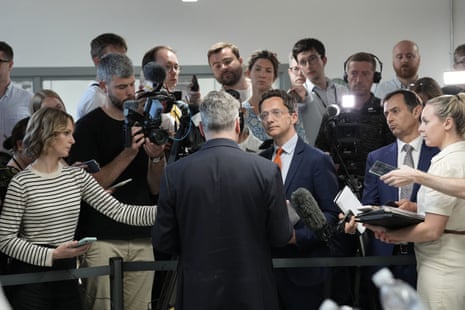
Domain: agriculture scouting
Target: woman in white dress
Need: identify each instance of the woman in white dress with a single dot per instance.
(440, 239)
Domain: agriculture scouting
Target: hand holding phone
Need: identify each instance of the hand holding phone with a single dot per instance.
(380, 168)
(119, 184)
(194, 85)
(85, 241)
(91, 166)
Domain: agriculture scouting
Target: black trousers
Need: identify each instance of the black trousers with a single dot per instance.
(58, 295)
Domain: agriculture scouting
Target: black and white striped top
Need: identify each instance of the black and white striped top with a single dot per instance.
(43, 209)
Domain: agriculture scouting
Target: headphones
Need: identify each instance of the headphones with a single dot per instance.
(376, 75)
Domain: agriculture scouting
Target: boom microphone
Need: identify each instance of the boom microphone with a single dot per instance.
(154, 73)
(310, 213)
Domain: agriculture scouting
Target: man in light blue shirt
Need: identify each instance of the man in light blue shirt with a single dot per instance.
(405, 62)
(310, 55)
(14, 101)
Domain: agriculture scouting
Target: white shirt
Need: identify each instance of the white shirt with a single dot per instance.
(286, 155)
(15, 105)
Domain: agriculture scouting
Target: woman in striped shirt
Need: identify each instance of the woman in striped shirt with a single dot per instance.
(41, 211)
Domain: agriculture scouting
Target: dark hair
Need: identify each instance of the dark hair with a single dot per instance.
(459, 52)
(98, 44)
(361, 56)
(308, 45)
(411, 99)
(151, 54)
(264, 54)
(288, 100)
(428, 87)
(17, 134)
(6, 49)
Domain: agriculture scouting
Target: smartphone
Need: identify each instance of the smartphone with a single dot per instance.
(380, 168)
(119, 184)
(92, 166)
(194, 86)
(85, 241)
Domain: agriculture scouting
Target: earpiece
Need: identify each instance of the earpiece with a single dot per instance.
(376, 76)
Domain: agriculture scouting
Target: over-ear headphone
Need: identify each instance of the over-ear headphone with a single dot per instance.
(376, 75)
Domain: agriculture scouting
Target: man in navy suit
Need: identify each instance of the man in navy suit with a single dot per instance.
(221, 210)
(402, 109)
(301, 166)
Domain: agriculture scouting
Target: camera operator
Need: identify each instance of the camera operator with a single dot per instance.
(174, 118)
(359, 126)
(99, 135)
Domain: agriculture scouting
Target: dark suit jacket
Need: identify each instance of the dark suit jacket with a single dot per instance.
(221, 210)
(314, 170)
(376, 192)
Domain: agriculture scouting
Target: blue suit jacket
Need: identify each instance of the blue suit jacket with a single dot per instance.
(314, 170)
(376, 192)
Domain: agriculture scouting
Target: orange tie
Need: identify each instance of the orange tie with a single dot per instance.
(277, 157)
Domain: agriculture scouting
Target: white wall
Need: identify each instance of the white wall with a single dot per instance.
(57, 33)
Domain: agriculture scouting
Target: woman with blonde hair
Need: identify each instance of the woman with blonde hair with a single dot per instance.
(439, 240)
(41, 210)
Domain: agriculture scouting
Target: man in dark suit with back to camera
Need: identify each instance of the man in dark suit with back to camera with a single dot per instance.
(301, 166)
(221, 210)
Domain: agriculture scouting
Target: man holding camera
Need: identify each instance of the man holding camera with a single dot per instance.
(359, 125)
(99, 135)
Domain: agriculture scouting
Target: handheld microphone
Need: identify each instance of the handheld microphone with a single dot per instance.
(333, 111)
(307, 208)
(154, 73)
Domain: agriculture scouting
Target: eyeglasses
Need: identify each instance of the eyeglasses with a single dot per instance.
(4, 60)
(311, 60)
(276, 114)
(295, 69)
(175, 68)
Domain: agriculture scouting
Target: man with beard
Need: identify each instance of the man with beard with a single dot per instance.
(405, 61)
(359, 128)
(226, 64)
(99, 136)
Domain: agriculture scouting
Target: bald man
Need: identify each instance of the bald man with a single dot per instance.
(405, 62)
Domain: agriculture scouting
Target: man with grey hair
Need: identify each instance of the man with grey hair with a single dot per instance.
(99, 136)
(223, 218)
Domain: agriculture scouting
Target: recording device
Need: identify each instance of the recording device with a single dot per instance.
(348, 102)
(91, 166)
(454, 78)
(154, 73)
(119, 184)
(150, 120)
(85, 241)
(194, 86)
(307, 208)
(380, 168)
(237, 96)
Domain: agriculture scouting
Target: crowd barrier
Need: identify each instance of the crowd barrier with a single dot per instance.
(117, 267)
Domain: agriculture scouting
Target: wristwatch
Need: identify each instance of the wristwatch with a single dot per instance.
(156, 160)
